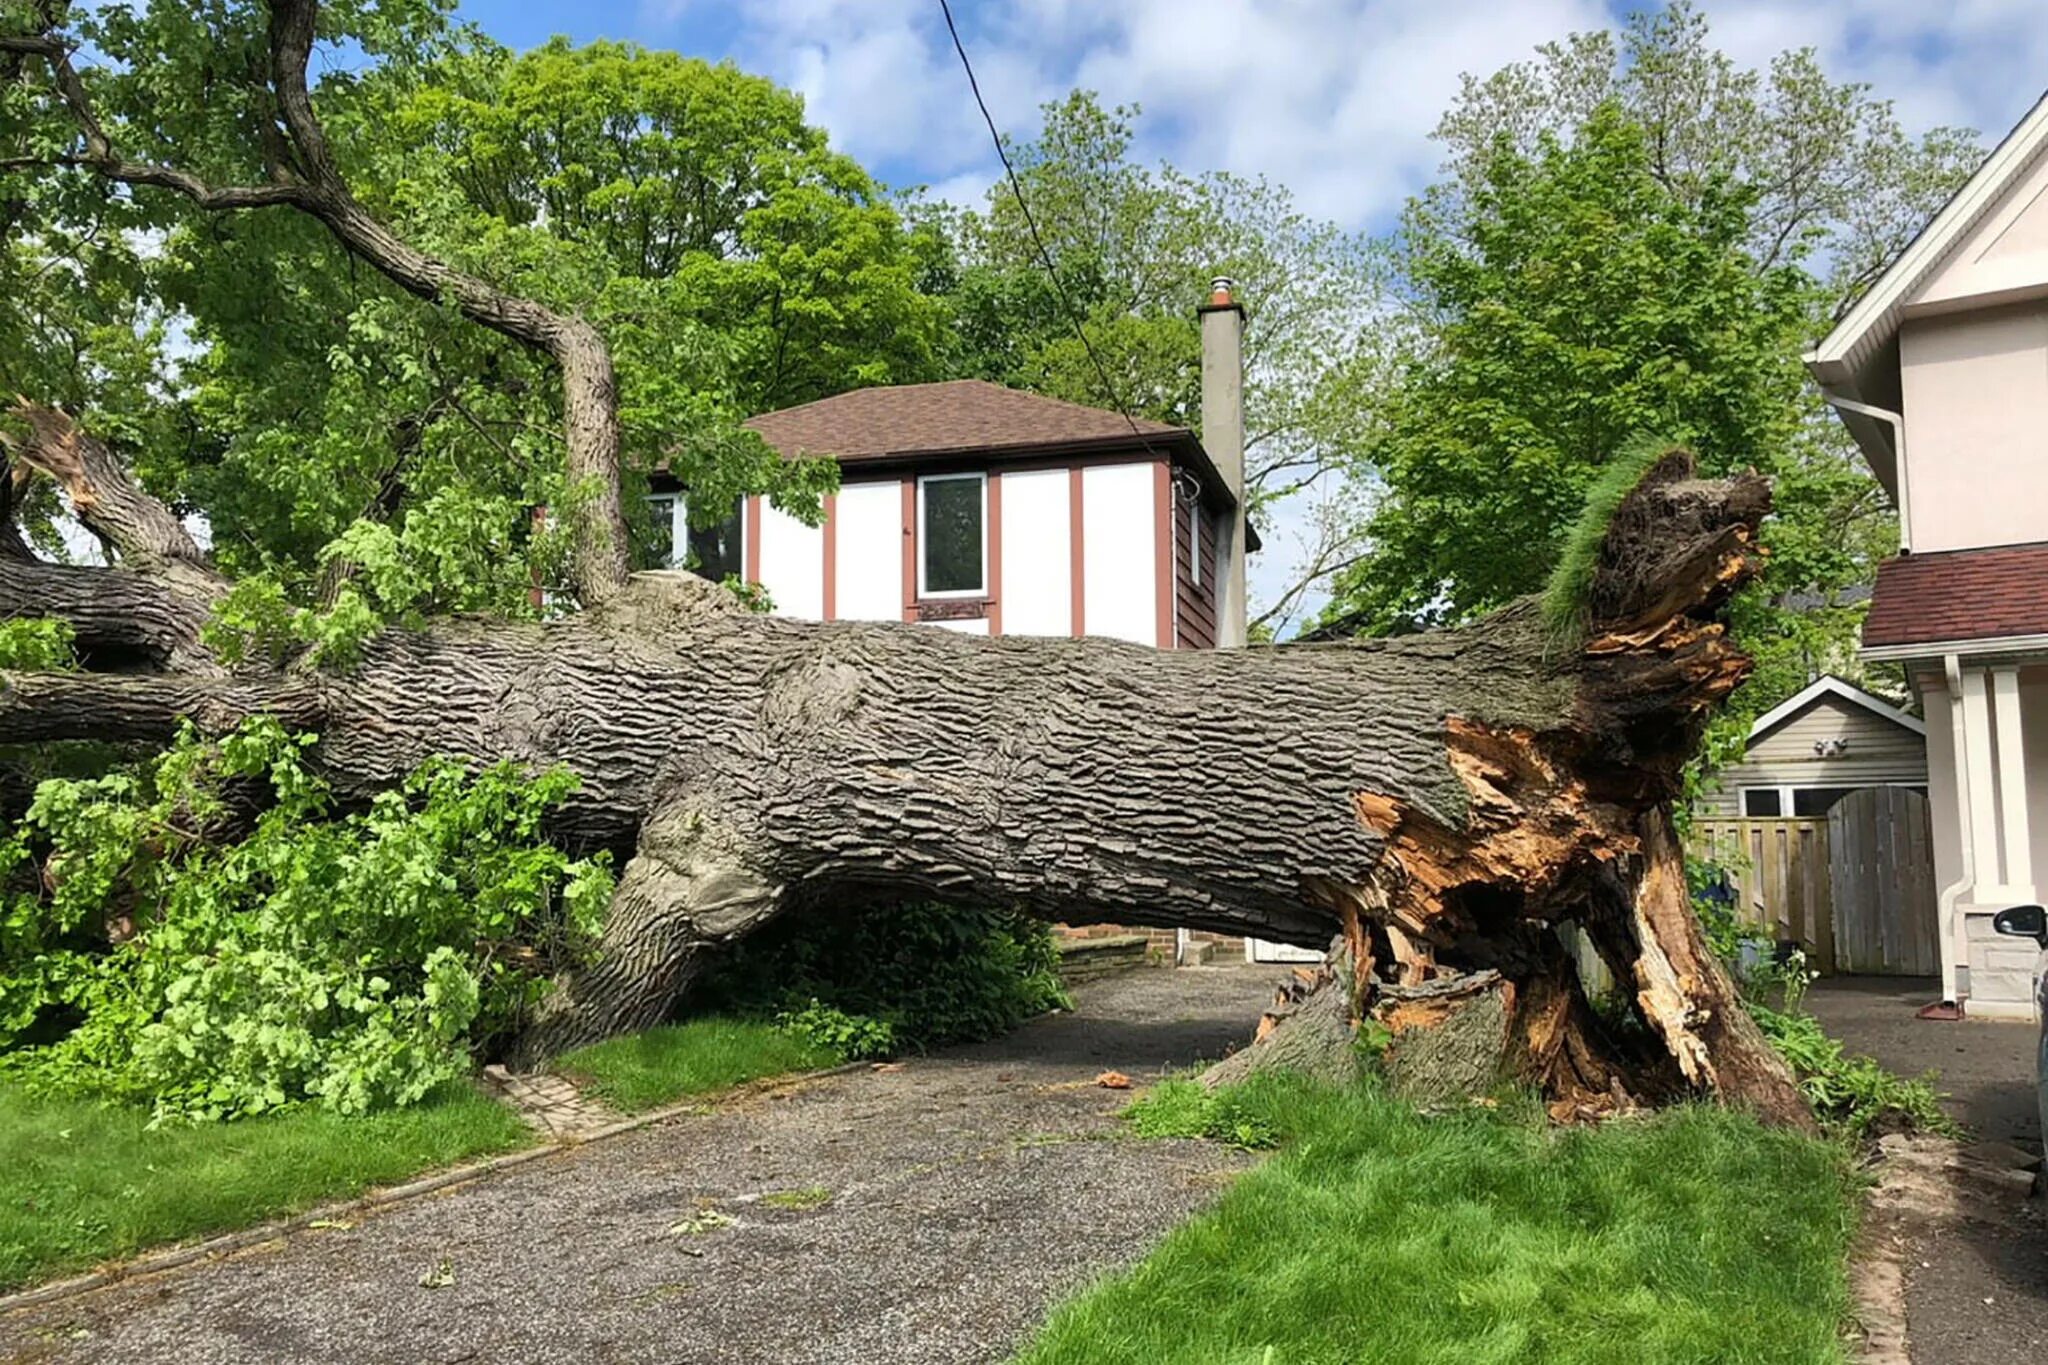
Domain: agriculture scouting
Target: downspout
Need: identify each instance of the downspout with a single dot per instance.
(1952, 894)
(1897, 422)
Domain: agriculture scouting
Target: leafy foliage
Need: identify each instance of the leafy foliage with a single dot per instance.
(37, 644)
(349, 960)
(874, 980)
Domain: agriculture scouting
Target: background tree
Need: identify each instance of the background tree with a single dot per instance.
(1634, 235)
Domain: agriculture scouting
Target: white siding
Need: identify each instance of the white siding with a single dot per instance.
(1118, 563)
(1038, 557)
(1878, 751)
(868, 526)
(792, 564)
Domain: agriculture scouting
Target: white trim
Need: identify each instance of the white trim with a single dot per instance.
(1877, 314)
(1937, 649)
(1830, 686)
(2012, 782)
(924, 543)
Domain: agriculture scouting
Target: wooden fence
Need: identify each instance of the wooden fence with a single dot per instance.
(1855, 889)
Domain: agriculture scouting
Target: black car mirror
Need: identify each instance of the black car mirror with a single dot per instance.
(2023, 921)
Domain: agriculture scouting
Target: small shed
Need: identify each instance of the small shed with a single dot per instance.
(1817, 746)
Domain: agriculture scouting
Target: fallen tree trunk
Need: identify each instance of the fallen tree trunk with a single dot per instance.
(1446, 801)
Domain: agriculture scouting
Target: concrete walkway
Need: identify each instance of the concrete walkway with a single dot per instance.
(1976, 1281)
(927, 1214)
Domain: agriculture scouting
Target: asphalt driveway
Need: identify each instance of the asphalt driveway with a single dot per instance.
(927, 1214)
(1976, 1284)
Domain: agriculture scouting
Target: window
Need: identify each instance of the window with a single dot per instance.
(713, 551)
(1762, 802)
(1809, 802)
(952, 536)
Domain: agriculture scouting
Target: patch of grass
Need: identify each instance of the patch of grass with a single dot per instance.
(646, 1070)
(1185, 1108)
(83, 1182)
(809, 1197)
(1483, 1236)
(1564, 597)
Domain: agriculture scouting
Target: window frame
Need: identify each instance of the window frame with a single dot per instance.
(1787, 791)
(979, 592)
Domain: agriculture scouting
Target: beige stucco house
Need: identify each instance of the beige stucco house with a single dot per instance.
(1940, 372)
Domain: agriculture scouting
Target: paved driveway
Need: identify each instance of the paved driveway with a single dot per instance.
(927, 1214)
(1976, 1287)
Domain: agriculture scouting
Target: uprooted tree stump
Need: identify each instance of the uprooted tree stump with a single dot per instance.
(1446, 803)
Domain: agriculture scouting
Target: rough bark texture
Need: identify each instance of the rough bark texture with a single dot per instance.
(1446, 801)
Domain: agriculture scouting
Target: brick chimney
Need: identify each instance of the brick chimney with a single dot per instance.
(1223, 437)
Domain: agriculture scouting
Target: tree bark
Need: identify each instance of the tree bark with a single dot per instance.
(1448, 802)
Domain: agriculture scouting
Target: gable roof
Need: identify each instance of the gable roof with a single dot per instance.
(947, 418)
(1868, 327)
(1952, 597)
(1830, 686)
(972, 419)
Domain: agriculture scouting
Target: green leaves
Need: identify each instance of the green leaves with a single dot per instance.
(37, 644)
(346, 960)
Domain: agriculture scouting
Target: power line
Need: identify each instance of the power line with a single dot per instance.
(1023, 206)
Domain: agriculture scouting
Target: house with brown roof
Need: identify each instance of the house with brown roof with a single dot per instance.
(1940, 372)
(972, 507)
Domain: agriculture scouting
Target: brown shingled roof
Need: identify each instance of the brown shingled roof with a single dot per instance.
(957, 415)
(1987, 594)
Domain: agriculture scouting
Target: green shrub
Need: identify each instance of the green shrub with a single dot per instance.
(348, 960)
(855, 1037)
(1851, 1094)
(919, 975)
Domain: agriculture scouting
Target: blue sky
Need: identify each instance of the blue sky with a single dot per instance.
(1333, 98)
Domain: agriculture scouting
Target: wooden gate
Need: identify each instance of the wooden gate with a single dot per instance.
(1881, 865)
(1855, 890)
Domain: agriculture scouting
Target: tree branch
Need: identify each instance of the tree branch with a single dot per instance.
(39, 707)
(121, 620)
(148, 535)
(596, 514)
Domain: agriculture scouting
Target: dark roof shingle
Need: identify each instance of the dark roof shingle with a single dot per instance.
(1986, 594)
(905, 420)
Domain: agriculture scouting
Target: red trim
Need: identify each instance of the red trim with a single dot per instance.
(910, 549)
(993, 531)
(751, 552)
(1162, 556)
(831, 556)
(1078, 560)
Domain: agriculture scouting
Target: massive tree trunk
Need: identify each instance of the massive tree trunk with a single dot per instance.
(1445, 804)
(1446, 801)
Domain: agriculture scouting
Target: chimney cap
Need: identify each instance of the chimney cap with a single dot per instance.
(1222, 294)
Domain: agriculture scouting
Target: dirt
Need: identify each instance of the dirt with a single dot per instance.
(1973, 1246)
(927, 1214)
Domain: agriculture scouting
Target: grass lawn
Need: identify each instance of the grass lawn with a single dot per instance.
(644, 1070)
(82, 1183)
(1480, 1236)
